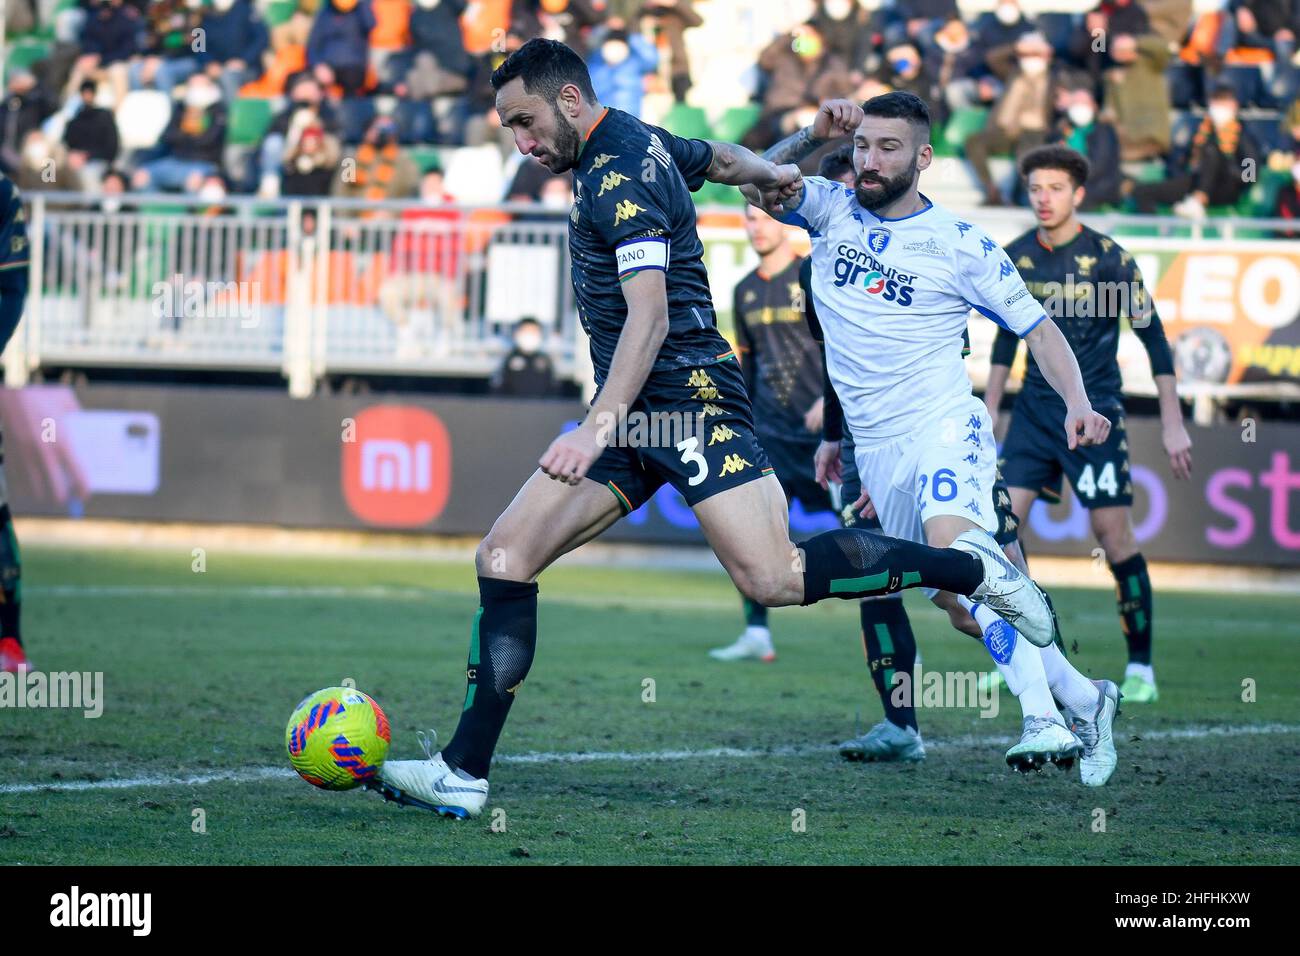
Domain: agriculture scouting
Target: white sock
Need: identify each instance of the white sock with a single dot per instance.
(1024, 674)
(1145, 671)
(758, 633)
(1075, 692)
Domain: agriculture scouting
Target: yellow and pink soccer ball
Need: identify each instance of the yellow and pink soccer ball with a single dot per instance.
(337, 738)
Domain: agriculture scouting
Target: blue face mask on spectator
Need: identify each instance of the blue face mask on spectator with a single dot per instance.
(902, 64)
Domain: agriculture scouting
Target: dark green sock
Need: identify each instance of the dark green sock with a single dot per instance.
(853, 563)
(755, 614)
(1134, 601)
(11, 584)
(891, 649)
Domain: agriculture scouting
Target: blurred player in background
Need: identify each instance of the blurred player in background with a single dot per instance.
(13, 292)
(782, 366)
(1089, 284)
(893, 280)
(657, 352)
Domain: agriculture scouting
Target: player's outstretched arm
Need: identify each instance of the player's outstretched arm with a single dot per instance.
(767, 184)
(572, 454)
(1061, 369)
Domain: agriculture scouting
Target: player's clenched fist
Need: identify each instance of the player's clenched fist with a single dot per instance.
(571, 455)
(837, 118)
(784, 184)
(1083, 426)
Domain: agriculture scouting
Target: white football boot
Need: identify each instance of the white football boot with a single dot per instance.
(1096, 730)
(753, 645)
(885, 742)
(1008, 591)
(1044, 741)
(431, 785)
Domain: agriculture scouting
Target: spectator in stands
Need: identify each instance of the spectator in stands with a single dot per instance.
(619, 62)
(1090, 42)
(45, 166)
(565, 20)
(91, 136)
(527, 184)
(27, 106)
(338, 49)
(441, 66)
(112, 187)
(109, 39)
(674, 18)
(1136, 95)
(850, 32)
(169, 44)
(1269, 26)
(1022, 116)
(918, 21)
(1083, 131)
(1170, 19)
(1000, 28)
(957, 65)
(801, 73)
(421, 295)
(392, 25)
(311, 157)
(1214, 171)
(305, 96)
(907, 72)
(192, 143)
(378, 168)
(526, 371)
(235, 39)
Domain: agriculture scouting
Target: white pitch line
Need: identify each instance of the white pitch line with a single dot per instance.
(971, 742)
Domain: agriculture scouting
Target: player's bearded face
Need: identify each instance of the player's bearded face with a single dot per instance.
(875, 189)
(563, 154)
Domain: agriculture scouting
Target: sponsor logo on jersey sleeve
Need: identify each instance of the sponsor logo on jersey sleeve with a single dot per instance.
(1016, 298)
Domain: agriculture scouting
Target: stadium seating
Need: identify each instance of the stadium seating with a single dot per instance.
(249, 119)
(687, 121)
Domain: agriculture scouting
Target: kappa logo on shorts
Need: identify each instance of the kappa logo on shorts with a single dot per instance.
(708, 410)
(972, 459)
(698, 377)
(973, 507)
(972, 438)
(722, 434)
(973, 482)
(732, 464)
(707, 392)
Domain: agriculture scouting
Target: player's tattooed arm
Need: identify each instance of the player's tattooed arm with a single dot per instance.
(795, 147)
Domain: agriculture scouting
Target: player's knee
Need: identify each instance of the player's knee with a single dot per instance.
(492, 559)
(764, 586)
(1116, 540)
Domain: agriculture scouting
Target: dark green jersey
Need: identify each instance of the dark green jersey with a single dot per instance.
(1087, 285)
(633, 211)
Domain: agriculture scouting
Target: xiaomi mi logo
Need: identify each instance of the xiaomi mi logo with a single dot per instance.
(397, 471)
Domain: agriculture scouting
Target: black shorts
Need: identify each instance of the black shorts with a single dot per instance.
(691, 428)
(851, 487)
(1035, 456)
(793, 460)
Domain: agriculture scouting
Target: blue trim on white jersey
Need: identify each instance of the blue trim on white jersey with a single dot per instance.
(990, 314)
(913, 215)
(1035, 325)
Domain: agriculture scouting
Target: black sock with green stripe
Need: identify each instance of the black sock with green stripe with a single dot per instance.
(891, 650)
(11, 571)
(853, 563)
(1134, 600)
(500, 654)
(755, 613)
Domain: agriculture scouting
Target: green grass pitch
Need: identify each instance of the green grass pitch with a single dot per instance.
(201, 671)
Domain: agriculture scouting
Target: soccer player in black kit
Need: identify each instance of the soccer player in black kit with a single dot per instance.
(13, 291)
(782, 367)
(1088, 284)
(643, 299)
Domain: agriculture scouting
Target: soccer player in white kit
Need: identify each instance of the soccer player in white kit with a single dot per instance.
(894, 278)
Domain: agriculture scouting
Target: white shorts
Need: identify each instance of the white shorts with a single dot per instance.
(947, 468)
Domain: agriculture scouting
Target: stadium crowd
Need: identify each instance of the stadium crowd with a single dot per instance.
(359, 98)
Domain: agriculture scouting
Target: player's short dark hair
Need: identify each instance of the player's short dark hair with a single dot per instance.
(1057, 156)
(837, 162)
(900, 105)
(545, 66)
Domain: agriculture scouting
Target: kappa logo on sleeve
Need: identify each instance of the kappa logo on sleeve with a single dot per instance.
(612, 180)
(626, 210)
